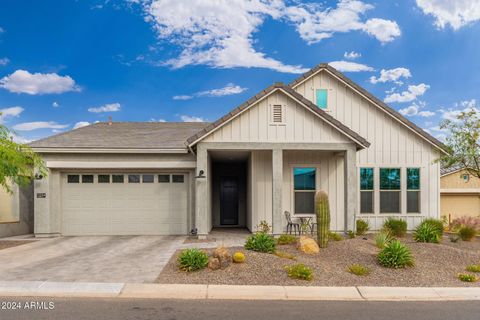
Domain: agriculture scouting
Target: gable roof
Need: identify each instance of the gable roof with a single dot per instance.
(392, 112)
(352, 135)
(123, 135)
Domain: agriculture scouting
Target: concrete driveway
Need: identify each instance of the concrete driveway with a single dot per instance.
(89, 259)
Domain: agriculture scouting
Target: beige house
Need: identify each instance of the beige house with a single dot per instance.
(267, 156)
(459, 193)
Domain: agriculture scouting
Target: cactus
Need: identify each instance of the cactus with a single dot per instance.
(322, 209)
(238, 257)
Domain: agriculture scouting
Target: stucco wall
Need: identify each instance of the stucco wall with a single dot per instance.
(455, 181)
(458, 205)
(20, 208)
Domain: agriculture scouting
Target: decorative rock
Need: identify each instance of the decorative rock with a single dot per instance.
(308, 245)
(213, 263)
(223, 255)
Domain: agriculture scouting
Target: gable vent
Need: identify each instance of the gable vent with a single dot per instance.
(277, 113)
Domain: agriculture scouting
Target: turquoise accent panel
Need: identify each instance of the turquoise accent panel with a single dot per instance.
(321, 98)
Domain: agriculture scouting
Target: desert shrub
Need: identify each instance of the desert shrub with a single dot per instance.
(261, 242)
(397, 227)
(473, 268)
(454, 237)
(383, 238)
(395, 255)
(362, 227)
(299, 271)
(466, 233)
(466, 277)
(438, 224)
(263, 227)
(351, 234)
(473, 222)
(426, 232)
(192, 260)
(286, 239)
(335, 236)
(285, 255)
(238, 257)
(358, 270)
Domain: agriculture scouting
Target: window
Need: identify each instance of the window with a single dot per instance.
(164, 178)
(304, 189)
(117, 178)
(413, 190)
(177, 178)
(321, 98)
(366, 190)
(87, 178)
(103, 178)
(390, 190)
(147, 178)
(465, 177)
(73, 178)
(133, 178)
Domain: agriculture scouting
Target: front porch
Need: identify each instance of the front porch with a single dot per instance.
(245, 183)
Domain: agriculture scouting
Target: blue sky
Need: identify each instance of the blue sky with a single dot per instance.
(67, 63)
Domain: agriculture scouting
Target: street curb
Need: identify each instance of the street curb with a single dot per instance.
(233, 292)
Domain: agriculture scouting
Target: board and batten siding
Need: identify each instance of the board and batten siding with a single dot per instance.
(393, 145)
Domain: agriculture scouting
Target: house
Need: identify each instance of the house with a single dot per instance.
(267, 156)
(459, 193)
(16, 211)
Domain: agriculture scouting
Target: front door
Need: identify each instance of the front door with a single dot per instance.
(229, 201)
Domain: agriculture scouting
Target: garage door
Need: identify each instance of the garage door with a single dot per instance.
(124, 204)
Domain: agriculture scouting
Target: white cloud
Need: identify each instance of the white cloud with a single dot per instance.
(411, 94)
(55, 104)
(157, 120)
(426, 114)
(391, 75)
(182, 97)
(415, 110)
(348, 66)
(22, 81)
(229, 89)
(109, 107)
(459, 107)
(10, 113)
(220, 34)
(352, 55)
(29, 126)
(186, 118)
(409, 111)
(81, 124)
(19, 139)
(456, 13)
(4, 61)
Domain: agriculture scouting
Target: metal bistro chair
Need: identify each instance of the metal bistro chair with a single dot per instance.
(313, 228)
(292, 225)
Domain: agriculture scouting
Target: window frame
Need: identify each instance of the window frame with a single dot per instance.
(73, 175)
(102, 182)
(419, 190)
(166, 175)
(178, 175)
(292, 170)
(118, 175)
(367, 190)
(326, 98)
(399, 191)
(88, 175)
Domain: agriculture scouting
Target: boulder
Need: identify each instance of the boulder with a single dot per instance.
(213, 263)
(223, 255)
(308, 245)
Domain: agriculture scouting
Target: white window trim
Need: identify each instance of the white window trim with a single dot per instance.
(418, 190)
(292, 177)
(284, 114)
(369, 190)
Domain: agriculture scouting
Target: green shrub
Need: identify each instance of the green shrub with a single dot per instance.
(263, 227)
(358, 270)
(397, 227)
(466, 277)
(426, 232)
(261, 242)
(299, 271)
(473, 268)
(351, 234)
(395, 255)
(467, 233)
(192, 259)
(286, 239)
(362, 227)
(383, 238)
(335, 236)
(285, 255)
(438, 224)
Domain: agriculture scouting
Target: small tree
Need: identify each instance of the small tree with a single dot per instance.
(18, 162)
(463, 141)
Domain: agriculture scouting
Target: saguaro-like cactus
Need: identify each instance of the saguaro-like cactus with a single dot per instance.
(322, 209)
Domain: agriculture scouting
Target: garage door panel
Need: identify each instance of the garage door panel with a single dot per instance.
(124, 208)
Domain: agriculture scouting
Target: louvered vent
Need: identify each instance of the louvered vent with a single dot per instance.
(277, 113)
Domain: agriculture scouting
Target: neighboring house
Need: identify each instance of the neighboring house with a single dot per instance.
(16, 211)
(459, 193)
(264, 157)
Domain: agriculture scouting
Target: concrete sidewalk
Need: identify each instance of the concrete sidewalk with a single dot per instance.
(226, 292)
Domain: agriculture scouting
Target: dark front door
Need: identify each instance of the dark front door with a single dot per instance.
(229, 201)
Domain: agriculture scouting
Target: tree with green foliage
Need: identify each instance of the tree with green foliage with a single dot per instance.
(463, 141)
(18, 162)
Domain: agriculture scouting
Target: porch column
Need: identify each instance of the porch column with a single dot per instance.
(201, 192)
(277, 182)
(350, 164)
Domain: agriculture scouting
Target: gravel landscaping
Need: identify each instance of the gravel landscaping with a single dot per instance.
(435, 265)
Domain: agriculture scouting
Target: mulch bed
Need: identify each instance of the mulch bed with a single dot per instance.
(4, 244)
(435, 265)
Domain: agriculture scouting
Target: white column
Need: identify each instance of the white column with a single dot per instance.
(277, 183)
(351, 186)
(201, 194)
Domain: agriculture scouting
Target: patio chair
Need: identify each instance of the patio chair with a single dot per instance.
(313, 228)
(292, 225)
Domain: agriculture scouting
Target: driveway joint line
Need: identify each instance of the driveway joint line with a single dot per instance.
(360, 293)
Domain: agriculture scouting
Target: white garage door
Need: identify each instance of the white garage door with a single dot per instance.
(124, 204)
